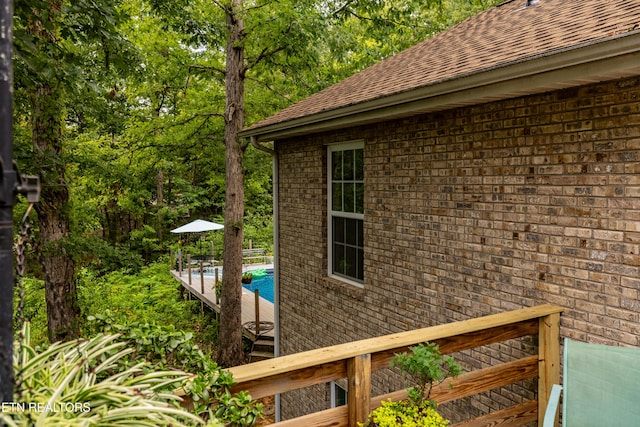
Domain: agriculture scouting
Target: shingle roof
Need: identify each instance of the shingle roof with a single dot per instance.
(502, 35)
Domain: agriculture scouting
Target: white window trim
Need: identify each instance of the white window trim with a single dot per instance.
(341, 146)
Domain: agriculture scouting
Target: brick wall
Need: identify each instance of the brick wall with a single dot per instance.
(474, 211)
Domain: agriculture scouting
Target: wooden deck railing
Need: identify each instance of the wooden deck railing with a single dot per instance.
(357, 360)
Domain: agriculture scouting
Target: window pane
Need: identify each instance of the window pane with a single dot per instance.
(340, 395)
(351, 258)
(348, 172)
(359, 164)
(360, 273)
(349, 198)
(336, 199)
(351, 232)
(359, 198)
(338, 259)
(360, 226)
(336, 165)
(338, 230)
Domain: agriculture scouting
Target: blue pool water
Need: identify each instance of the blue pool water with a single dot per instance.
(264, 285)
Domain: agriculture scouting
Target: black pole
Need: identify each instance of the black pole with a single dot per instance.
(7, 200)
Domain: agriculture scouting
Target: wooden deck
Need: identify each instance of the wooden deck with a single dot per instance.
(203, 290)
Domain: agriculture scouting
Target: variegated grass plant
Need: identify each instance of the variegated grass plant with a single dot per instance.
(87, 383)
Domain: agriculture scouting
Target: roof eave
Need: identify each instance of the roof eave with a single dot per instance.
(613, 58)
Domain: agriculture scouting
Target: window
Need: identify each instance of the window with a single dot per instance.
(338, 395)
(346, 211)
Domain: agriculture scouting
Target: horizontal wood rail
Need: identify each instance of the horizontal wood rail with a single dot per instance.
(251, 255)
(357, 360)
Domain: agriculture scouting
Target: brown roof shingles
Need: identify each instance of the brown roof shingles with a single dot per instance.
(496, 37)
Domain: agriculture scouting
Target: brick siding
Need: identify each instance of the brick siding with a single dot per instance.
(469, 212)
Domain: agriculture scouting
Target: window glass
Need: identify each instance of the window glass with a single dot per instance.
(336, 162)
(338, 230)
(359, 190)
(351, 232)
(338, 395)
(351, 261)
(339, 261)
(359, 164)
(360, 265)
(347, 164)
(336, 189)
(349, 198)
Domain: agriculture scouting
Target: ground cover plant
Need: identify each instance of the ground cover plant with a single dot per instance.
(149, 297)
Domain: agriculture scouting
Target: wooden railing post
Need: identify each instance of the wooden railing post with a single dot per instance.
(201, 278)
(548, 360)
(189, 268)
(216, 284)
(180, 263)
(256, 293)
(359, 388)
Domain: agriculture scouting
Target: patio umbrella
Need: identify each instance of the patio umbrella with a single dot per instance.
(198, 226)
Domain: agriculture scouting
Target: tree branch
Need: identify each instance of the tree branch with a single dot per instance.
(264, 54)
(207, 68)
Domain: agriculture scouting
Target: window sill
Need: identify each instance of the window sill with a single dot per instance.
(344, 288)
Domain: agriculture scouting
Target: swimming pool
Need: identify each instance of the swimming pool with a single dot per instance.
(264, 282)
(264, 285)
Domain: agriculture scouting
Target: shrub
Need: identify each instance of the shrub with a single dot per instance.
(164, 347)
(426, 366)
(405, 414)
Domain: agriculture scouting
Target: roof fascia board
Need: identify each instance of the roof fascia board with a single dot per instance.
(613, 58)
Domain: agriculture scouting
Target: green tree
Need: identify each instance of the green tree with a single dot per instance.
(52, 40)
(258, 36)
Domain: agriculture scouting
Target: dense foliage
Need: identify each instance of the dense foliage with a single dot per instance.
(143, 102)
(139, 301)
(119, 379)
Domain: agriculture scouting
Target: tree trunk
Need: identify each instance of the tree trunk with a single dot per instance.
(53, 216)
(230, 337)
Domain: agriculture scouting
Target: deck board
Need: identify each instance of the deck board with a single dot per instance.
(265, 308)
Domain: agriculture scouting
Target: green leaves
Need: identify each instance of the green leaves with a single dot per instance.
(124, 379)
(426, 366)
(404, 414)
(83, 382)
